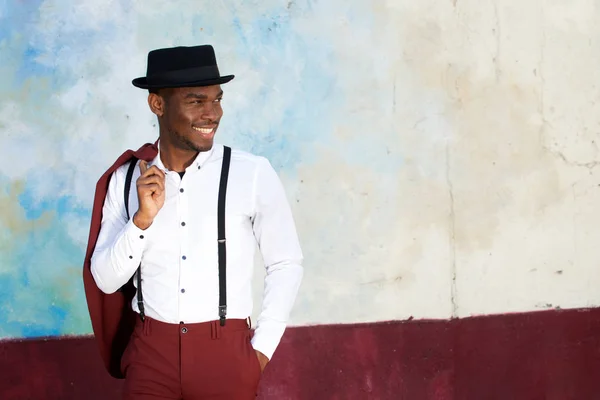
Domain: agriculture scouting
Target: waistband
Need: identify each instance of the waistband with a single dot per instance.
(211, 329)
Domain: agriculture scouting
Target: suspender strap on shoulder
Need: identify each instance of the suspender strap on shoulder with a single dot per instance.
(221, 235)
(138, 273)
(221, 238)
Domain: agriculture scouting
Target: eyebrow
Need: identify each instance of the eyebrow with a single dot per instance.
(200, 95)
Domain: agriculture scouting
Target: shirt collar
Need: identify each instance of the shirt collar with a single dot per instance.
(198, 162)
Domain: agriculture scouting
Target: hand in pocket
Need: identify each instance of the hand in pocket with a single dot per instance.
(262, 360)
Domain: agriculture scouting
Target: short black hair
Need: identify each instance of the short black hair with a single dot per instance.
(162, 92)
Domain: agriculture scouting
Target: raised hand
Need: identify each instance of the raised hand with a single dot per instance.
(151, 194)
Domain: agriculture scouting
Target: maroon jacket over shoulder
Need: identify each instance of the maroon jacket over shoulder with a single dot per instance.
(111, 314)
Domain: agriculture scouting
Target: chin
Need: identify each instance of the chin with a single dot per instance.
(205, 146)
(196, 145)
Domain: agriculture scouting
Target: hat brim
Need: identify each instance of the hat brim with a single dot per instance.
(142, 83)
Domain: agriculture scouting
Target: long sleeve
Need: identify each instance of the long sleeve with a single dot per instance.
(275, 232)
(120, 244)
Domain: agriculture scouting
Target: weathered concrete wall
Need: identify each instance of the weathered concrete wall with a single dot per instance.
(440, 156)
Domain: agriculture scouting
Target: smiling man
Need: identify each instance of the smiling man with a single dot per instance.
(168, 271)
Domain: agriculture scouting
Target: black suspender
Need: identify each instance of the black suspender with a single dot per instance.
(221, 236)
(138, 273)
(221, 240)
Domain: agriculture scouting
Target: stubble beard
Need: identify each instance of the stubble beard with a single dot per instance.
(185, 143)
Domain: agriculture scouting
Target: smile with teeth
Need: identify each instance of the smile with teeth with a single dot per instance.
(204, 131)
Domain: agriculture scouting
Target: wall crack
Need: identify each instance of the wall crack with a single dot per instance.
(451, 234)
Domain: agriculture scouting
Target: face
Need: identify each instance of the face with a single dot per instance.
(189, 117)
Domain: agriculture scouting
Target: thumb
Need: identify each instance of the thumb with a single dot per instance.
(143, 167)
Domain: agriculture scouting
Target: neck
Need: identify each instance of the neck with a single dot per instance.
(174, 158)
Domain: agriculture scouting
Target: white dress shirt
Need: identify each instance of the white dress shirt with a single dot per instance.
(178, 252)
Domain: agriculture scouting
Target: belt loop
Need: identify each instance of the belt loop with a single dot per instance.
(250, 323)
(146, 326)
(215, 330)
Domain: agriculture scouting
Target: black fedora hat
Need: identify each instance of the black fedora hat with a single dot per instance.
(181, 67)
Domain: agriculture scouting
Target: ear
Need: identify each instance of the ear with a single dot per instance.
(157, 104)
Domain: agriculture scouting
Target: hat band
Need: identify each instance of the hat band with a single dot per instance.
(188, 74)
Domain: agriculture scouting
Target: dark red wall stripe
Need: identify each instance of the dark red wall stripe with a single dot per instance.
(543, 355)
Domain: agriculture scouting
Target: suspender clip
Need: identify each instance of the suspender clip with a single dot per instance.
(140, 303)
(222, 314)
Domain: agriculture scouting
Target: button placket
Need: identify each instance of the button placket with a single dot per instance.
(183, 261)
(183, 209)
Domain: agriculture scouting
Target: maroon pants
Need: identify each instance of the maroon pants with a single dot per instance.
(190, 361)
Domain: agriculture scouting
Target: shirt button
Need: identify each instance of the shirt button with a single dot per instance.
(181, 190)
(184, 330)
(131, 257)
(182, 290)
(184, 257)
(141, 236)
(183, 224)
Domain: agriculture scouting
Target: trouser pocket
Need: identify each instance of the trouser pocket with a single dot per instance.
(254, 364)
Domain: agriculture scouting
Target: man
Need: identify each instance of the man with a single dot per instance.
(177, 250)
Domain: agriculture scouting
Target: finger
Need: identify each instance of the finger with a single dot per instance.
(143, 167)
(150, 189)
(152, 179)
(153, 170)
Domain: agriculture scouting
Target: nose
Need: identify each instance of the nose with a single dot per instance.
(210, 111)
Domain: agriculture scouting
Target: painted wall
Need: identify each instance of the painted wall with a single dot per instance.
(440, 157)
(550, 355)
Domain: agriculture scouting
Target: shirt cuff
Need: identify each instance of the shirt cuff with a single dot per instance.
(267, 337)
(136, 238)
